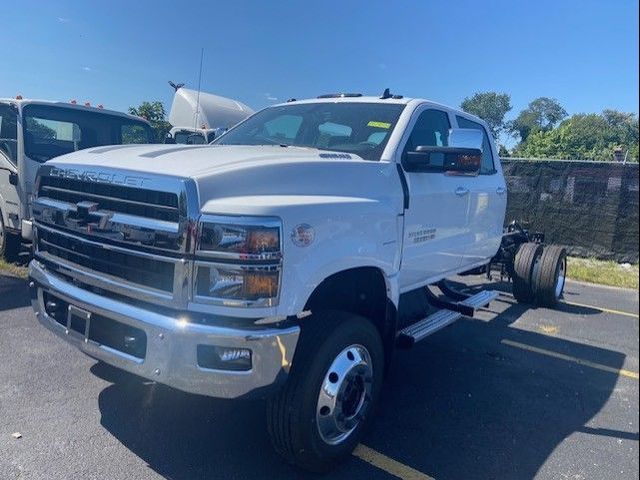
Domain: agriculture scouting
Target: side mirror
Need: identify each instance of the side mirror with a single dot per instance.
(451, 160)
(13, 178)
(463, 156)
(169, 140)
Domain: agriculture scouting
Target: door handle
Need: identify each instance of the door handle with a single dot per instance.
(461, 191)
(501, 190)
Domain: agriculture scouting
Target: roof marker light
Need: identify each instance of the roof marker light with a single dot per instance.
(18, 97)
(100, 106)
(87, 104)
(73, 102)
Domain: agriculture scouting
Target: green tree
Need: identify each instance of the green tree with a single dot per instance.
(542, 114)
(491, 107)
(156, 115)
(585, 137)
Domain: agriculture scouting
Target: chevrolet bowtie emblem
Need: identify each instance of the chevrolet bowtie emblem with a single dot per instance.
(84, 209)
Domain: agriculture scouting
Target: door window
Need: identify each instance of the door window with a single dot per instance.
(432, 130)
(487, 166)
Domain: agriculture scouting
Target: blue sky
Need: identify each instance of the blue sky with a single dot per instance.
(582, 52)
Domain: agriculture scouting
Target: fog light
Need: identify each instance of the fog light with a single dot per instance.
(224, 358)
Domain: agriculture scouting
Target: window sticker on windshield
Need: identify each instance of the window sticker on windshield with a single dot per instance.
(379, 124)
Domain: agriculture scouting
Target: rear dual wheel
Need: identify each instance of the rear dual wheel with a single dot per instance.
(539, 274)
(551, 276)
(525, 270)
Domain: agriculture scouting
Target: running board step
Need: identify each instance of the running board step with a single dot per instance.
(420, 330)
(466, 306)
(480, 300)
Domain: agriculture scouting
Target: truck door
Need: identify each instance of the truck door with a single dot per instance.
(436, 230)
(9, 199)
(487, 201)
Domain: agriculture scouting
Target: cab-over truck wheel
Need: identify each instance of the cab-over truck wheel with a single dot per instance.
(9, 243)
(329, 398)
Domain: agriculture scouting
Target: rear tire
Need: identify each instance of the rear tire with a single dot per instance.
(551, 276)
(524, 271)
(9, 243)
(309, 427)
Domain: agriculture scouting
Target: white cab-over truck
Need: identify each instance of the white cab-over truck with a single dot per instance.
(34, 131)
(200, 117)
(288, 260)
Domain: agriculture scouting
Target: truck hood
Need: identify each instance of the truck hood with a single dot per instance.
(194, 161)
(230, 171)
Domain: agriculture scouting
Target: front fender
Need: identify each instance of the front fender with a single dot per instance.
(343, 240)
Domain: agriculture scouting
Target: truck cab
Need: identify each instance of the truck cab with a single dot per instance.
(193, 136)
(33, 132)
(287, 260)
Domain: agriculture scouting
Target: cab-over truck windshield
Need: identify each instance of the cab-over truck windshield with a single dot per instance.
(51, 131)
(360, 128)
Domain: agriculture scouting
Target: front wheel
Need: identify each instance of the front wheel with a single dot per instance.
(9, 243)
(319, 417)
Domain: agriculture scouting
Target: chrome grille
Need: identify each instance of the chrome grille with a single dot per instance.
(128, 266)
(118, 232)
(114, 198)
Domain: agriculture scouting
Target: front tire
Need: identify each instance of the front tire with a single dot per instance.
(332, 390)
(9, 243)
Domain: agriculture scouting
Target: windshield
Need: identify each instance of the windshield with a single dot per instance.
(51, 131)
(359, 128)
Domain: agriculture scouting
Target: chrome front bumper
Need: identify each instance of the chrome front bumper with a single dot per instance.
(171, 343)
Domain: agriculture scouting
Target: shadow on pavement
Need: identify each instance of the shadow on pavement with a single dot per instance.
(462, 404)
(14, 293)
(505, 288)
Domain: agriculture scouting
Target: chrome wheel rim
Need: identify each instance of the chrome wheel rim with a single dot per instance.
(345, 394)
(561, 279)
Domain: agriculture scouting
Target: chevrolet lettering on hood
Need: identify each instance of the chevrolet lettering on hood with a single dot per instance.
(98, 177)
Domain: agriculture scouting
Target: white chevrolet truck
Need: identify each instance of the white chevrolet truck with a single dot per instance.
(287, 261)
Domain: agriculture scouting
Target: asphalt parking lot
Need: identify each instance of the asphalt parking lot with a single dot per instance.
(513, 393)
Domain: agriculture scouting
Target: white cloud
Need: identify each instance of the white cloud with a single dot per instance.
(86, 69)
(63, 19)
(268, 96)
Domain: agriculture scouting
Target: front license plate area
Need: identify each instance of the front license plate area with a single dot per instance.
(78, 321)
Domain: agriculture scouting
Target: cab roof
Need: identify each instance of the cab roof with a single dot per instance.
(30, 101)
(397, 100)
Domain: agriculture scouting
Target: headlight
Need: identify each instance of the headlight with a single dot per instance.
(238, 261)
(240, 285)
(258, 242)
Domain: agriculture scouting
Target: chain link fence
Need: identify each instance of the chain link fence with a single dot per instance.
(591, 207)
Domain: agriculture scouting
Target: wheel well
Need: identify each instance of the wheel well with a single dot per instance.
(361, 291)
